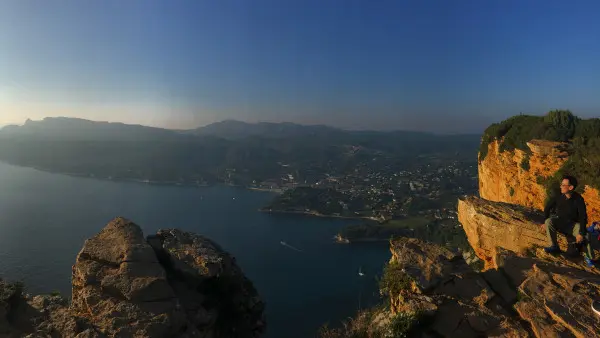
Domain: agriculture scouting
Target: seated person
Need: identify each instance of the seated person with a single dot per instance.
(570, 218)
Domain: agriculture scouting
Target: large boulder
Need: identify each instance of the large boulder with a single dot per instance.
(119, 285)
(174, 284)
(491, 225)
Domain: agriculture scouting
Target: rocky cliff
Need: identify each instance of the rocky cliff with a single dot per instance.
(516, 176)
(171, 284)
(433, 292)
(520, 296)
(532, 293)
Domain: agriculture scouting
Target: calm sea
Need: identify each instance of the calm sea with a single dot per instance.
(45, 218)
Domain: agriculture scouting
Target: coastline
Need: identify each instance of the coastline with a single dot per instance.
(315, 214)
(146, 182)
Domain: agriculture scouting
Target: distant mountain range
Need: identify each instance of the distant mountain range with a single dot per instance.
(63, 128)
(81, 129)
(232, 151)
(232, 129)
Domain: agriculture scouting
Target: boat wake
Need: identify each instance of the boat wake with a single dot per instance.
(289, 246)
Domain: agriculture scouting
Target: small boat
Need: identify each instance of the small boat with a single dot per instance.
(360, 273)
(283, 243)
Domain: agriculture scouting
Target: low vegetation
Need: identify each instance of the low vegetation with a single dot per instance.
(374, 323)
(393, 280)
(583, 136)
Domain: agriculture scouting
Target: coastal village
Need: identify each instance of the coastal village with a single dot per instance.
(428, 187)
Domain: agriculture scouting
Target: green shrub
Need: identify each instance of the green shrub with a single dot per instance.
(402, 324)
(394, 280)
(362, 326)
(511, 191)
(55, 293)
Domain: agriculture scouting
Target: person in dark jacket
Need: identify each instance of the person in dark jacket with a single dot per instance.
(566, 213)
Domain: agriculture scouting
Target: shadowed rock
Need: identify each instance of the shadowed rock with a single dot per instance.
(458, 301)
(212, 288)
(175, 284)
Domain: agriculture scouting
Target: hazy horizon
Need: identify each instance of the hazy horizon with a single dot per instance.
(250, 122)
(438, 66)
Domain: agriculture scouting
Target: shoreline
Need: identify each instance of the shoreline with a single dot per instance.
(315, 214)
(146, 182)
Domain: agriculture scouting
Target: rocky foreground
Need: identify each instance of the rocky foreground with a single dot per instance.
(171, 284)
(537, 296)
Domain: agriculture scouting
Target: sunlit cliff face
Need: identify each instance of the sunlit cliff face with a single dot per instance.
(504, 178)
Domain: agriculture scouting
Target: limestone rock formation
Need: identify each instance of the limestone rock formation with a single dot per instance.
(555, 294)
(173, 284)
(502, 177)
(491, 225)
(457, 301)
(520, 296)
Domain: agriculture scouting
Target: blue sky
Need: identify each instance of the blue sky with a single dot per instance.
(447, 65)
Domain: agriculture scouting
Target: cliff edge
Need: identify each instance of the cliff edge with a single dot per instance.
(171, 284)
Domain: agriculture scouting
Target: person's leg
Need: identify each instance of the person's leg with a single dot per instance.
(551, 231)
(575, 230)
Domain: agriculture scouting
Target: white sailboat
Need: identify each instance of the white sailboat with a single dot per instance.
(360, 273)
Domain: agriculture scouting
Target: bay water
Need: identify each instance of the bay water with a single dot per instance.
(45, 218)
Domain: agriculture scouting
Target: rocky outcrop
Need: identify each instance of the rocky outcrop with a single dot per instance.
(555, 294)
(210, 286)
(491, 225)
(173, 284)
(520, 296)
(454, 300)
(550, 296)
(514, 176)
